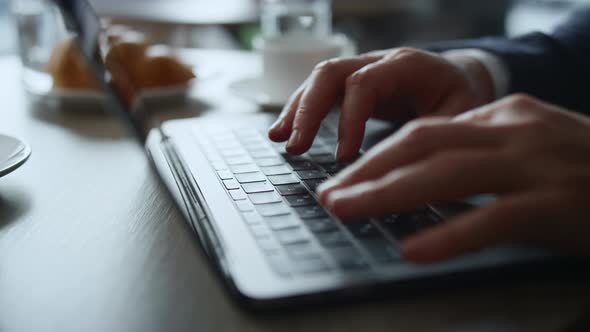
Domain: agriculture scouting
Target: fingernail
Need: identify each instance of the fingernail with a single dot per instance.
(294, 140)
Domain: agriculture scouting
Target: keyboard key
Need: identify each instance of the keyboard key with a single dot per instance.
(333, 239)
(225, 175)
(292, 236)
(228, 142)
(238, 160)
(233, 152)
(323, 158)
(264, 198)
(273, 209)
(301, 200)
(314, 184)
(276, 170)
(268, 245)
(214, 157)
(301, 165)
(263, 154)
(252, 218)
(280, 264)
(238, 194)
(257, 187)
(260, 231)
(231, 184)
(406, 224)
(219, 165)
(245, 206)
(382, 251)
(311, 174)
(250, 177)
(280, 147)
(275, 161)
(291, 189)
(333, 168)
(298, 163)
(311, 212)
(303, 251)
(312, 266)
(256, 146)
(363, 229)
(321, 225)
(245, 168)
(282, 222)
(278, 180)
(349, 258)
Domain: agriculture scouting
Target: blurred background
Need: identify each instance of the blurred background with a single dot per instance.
(374, 24)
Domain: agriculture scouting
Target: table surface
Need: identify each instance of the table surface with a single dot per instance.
(90, 241)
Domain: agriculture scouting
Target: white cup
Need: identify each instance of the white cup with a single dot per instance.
(287, 61)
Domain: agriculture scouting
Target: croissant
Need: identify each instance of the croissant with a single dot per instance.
(69, 69)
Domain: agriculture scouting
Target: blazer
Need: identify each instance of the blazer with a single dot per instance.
(555, 67)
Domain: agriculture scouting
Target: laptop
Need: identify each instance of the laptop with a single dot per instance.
(254, 210)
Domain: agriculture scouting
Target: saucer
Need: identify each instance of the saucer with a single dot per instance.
(254, 90)
(13, 153)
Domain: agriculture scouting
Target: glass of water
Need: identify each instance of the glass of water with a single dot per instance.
(40, 28)
(285, 18)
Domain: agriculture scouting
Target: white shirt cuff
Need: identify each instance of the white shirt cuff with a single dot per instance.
(495, 66)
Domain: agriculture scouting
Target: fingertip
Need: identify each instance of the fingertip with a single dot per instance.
(339, 202)
(299, 142)
(325, 188)
(276, 135)
(346, 151)
(422, 249)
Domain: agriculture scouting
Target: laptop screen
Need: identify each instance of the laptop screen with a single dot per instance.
(109, 61)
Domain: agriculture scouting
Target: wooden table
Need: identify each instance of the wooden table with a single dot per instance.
(90, 241)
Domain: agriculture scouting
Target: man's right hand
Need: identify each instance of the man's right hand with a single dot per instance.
(385, 85)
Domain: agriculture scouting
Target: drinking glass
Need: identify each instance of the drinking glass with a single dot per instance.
(39, 27)
(284, 18)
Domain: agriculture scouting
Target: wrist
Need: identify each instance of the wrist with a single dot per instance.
(476, 73)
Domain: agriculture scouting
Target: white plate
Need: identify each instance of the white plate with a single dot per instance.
(92, 96)
(253, 89)
(13, 153)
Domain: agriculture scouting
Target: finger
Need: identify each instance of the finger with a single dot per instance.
(360, 99)
(401, 74)
(413, 142)
(281, 129)
(520, 218)
(445, 177)
(324, 88)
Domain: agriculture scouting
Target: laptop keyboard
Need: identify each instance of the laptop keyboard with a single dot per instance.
(275, 193)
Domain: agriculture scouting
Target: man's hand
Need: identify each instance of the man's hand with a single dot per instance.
(384, 84)
(535, 157)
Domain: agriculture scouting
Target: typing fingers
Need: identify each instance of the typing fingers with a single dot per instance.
(445, 176)
(521, 218)
(412, 143)
(324, 87)
(281, 129)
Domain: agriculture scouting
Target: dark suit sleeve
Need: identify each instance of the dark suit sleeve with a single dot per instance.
(555, 68)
